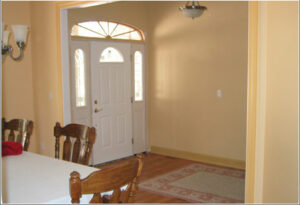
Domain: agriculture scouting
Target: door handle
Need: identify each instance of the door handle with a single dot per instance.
(97, 110)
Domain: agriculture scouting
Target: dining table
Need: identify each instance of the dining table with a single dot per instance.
(37, 179)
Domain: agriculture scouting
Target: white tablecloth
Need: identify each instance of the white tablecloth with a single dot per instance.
(32, 178)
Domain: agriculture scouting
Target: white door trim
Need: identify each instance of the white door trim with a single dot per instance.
(65, 73)
(138, 107)
(65, 64)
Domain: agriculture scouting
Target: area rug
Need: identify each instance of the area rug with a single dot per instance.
(200, 183)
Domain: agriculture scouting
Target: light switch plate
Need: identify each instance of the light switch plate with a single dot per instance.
(219, 93)
(50, 95)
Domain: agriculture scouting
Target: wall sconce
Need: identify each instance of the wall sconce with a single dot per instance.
(20, 33)
(192, 10)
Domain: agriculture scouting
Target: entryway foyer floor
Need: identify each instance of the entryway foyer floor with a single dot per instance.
(156, 165)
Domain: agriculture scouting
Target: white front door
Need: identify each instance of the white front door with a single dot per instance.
(111, 100)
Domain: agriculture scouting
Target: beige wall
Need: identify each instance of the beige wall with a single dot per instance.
(189, 61)
(183, 77)
(273, 176)
(46, 74)
(28, 84)
(178, 90)
(184, 111)
(281, 139)
(17, 80)
(40, 89)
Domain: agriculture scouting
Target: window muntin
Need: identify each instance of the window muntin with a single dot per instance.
(106, 29)
(111, 55)
(80, 78)
(138, 76)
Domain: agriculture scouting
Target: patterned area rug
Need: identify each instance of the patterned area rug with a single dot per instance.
(200, 183)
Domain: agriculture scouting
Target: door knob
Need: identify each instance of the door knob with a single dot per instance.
(97, 110)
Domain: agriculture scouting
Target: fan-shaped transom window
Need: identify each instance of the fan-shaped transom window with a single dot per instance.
(106, 30)
(111, 55)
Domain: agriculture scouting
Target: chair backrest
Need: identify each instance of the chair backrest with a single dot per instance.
(109, 179)
(84, 138)
(22, 127)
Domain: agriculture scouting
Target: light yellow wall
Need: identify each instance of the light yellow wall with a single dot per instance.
(39, 72)
(272, 149)
(17, 79)
(189, 61)
(27, 84)
(281, 139)
(251, 163)
(46, 73)
(178, 88)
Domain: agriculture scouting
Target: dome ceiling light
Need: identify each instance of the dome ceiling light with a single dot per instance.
(192, 9)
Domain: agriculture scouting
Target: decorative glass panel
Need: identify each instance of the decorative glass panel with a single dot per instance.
(135, 35)
(111, 27)
(79, 78)
(124, 36)
(111, 55)
(122, 29)
(138, 76)
(92, 26)
(106, 29)
(84, 32)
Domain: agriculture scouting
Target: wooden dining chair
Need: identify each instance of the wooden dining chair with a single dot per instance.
(109, 179)
(22, 127)
(84, 138)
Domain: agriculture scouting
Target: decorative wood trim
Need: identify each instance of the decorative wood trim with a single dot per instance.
(261, 101)
(237, 164)
(105, 39)
(70, 4)
(252, 101)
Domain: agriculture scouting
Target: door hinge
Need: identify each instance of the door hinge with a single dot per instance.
(132, 140)
(131, 99)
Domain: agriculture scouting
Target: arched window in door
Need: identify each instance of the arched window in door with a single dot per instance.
(107, 30)
(111, 55)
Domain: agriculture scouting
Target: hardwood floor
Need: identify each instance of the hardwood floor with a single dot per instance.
(155, 165)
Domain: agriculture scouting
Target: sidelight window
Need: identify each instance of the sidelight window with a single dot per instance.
(80, 78)
(138, 76)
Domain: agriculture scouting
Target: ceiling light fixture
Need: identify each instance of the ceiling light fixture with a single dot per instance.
(192, 9)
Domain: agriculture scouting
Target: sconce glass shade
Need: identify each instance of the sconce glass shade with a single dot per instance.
(20, 32)
(5, 35)
(194, 10)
